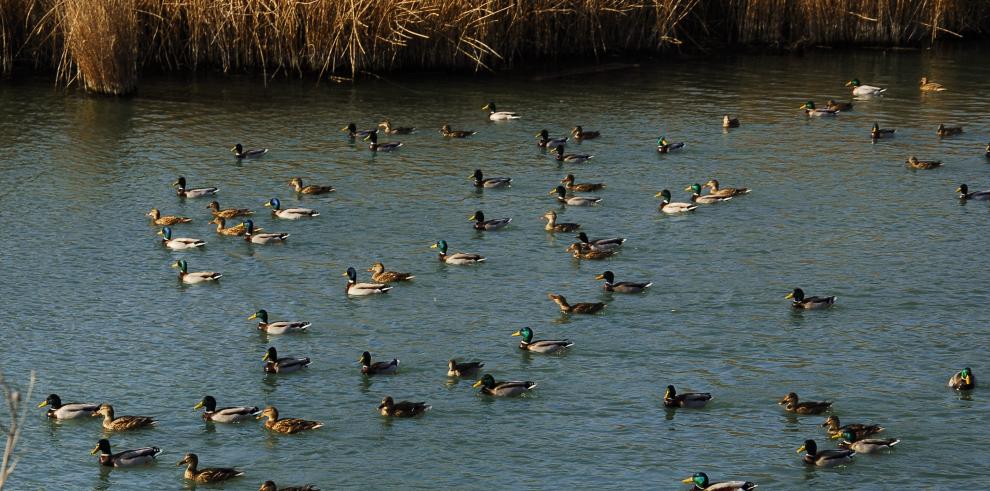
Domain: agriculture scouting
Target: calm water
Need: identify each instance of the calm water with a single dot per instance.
(92, 305)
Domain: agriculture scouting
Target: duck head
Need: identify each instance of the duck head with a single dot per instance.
(526, 334)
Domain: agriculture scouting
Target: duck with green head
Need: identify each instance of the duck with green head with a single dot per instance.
(964, 194)
(240, 153)
(824, 458)
(810, 110)
(622, 286)
(127, 458)
(963, 380)
(491, 387)
(701, 483)
(799, 301)
(664, 146)
(877, 132)
(196, 276)
(492, 182)
(570, 158)
(362, 289)
(230, 414)
(69, 410)
(251, 235)
(277, 327)
(182, 191)
(379, 367)
(289, 213)
(693, 400)
(286, 364)
(541, 345)
(864, 445)
(860, 89)
(546, 142)
(457, 257)
(697, 197)
(178, 243)
(671, 208)
(353, 132)
(496, 115)
(563, 199)
(374, 146)
(481, 224)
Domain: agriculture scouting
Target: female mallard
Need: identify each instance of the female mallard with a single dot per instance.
(270, 486)
(832, 426)
(581, 250)
(378, 367)
(181, 190)
(835, 105)
(402, 409)
(127, 458)
(362, 289)
(374, 146)
(277, 327)
(862, 89)
(297, 184)
(122, 423)
(232, 414)
(251, 235)
(914, 163)
(70, 410)
(491, 182)
(701, 483)
(792, 405)
(825, 458)
(379, 274)
(963, 380)
(196, 276)
(622, 286)
(691, 400)
(943, 130)
(540, 345)
(289, 213)
(728, 122)
(449, 133)
(511, 388)
(178, 243)
(553, 226)
(286, 425)
(570, 158)
(388, 129)
(546, 142)
(877, 133)
(466, 369)
(236, 230)
(214, 208)
(578, 308)
(664, 146)
(457, 257)
(720, 191)
(671, 208)
(927, 86)
(208, 475)
(285, 364)
(562, 198)
(864, 445)
(496, 115)
(799, 301)
(811, 110)
(568, 182)
(579, 134)
(158, 219)
(697, 197)
(240, 153)
(964, 193)
(352, 131)
(494, 224)
(607, 244)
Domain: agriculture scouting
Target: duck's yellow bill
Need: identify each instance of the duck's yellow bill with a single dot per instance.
(233, 149)
(433, 246)
(253, 316)
(517, 333)
(264, 358)
(689, 480)
(42, 403)
(268, 205)
(553, 191)
(344, 273)
(801, 449)
(687, 188)
(472, 217)
(198, 405)
(476, 384)
(658, 195)
(600, 277)
(95, 449)
(789, 295)
(959, 190)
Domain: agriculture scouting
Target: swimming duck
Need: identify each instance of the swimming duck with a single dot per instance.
(540, 345)
(864, 445)
(215, 210)
(278, 327)
(378, 367)
(568, 182)
(240, 153)
(671, 208)
(610, 243)
(622, 286)
(570, 158)
(494, 224)
(496, 115)
(208, 475)
(729, 122)
(546, 142)
(158, 219)
(270, 486)
(196, 276)
(236, 230)
(720, 191)
(362, 289)
(388, 129)
(553, 226)
(285, 364)
(964, 193)
(835, 105)
(232, 414)
(579, 134)
(581, 250)
(963, 380)
(289, 213)
(809, 303)
(194, 192)
(251, 235)
(987, 154)
(457, 257)
(697, 197)
(297, 184)
(792, 405)
(701, 483)
(578, 308)
(122, 423)
(178, 243)
(664, 146)
(562, 198)
(70, 410)
(825, 458)
(286, 425)
(449, 133)
(352, 131)
(927, 86)
(914, 163)
(687, 400)
(402, 409)
(465, 369)
(877, 133)
(832, 426)
(379, 274)
(943, 130)
(374, 146)
(503, 388)
(491, 182)
(810, 110)
(127, 458)
(861, 89)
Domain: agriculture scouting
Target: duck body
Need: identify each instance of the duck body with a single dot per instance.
(799, 301)
(553, 226)
(943, 131)
(158, 219)
(672, 208)
(541, 345)
(496, 115)
(127, 458)
(71, 410)
(708, 198)
(297, 185)
(380, 275)
(965, 194)
(866, 445)
(562, 198)
(622, 286)
(838, 105)
(402, 409)
(859, 89)
(465, 369)
(456, 258)
(701, 483)
(663, 146)
(184, 192)
(235, 231)
(251, 235)
(285, 364)
(178, 243)
(240, 153)
(914, 163)
(877, 133)
(824, 458)
(208, 475)
(512, 388)
(215, 210)
(716, 190)
(579, 134)
(122, 423)
(728, 122)
(289, 213)
(926, 86)
(570, 158)
(832, 426)
(378, 367)
(568, 182)
(481, 224)
(388, 129)
(492, 182)
(354, 288)
(605, 244)
(578, 308)
(963, 380)
(286, 425)
(692, 400)
(449, 133)
(278, 327)
(231, 414)
(196, 276)
(793, 405)
(374, 146)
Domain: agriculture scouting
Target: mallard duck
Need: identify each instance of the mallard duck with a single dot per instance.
(943, 130)
(251, 235)
(568, 182)
(236, 230)
(378, 367)
(449, 133)
(835, 105)
(285, 364)
(127, 458)
(211, 474)
(466, 369)
(278, 327)
(877, 133)
(811, 110)
(622, 286)
(927, 86)
(402, 409)
(687, 400)
(581, 250)
(546, 142)
(71, 410)
(240, 153)
(388, 129)
(178, 243)
(728, 122)
(270, 486)
(286, 425)
(352, 131)
(825, 458)
(496, 115)
(606, 244)
(963, 380)
(562, 198)
(540, 345)
(671, 208)
(503, 388)
(491, 182)
(664, 146)
(914, 163)
(196, 276)
(570, 158)
(697, 197)
(297, 184)
(579, 134)
(379, 274)
(864, 445)
(700, 482)
(374, 146)
(578, 308)
(861, 89)
(799, 301)
(289, 213)
(232, 414)
(122, 423)
(457, 257)
(362, 289)
(553, 226)
(215, 210)
(193, 192)
(158, 219)
(792, 405)
(494, 224)
(832, 426)
(964, 193)
(987, 154)
(720, 191)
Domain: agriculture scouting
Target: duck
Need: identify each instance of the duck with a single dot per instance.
(693, 400)
(286, 425)
(728, 122)
(127, 458)
(277, 327)
(208, 475)
(297, 184)
(579, 134)
(457, 257)
(987, 150)
(378, 367)
(914, 163)
(877, 133)
(388, 129)
(562, 198)
(927, 86)
(215, 210)
(494, 224)
(510, 388)
(379, 274)
(237, 230)
(122, 423)
(546, 142)
(270, 486)
(541, 345)
(568, 182)
(864, 445)
(491, 182)
(716, 190)
(701, 483)
(963, 380)
(553, 226)
(578, 308)
(825, 458)
(943, 130)
(793, 405)
(253, 237)
(178, 243)
(402, 409)
(449, 133)
(465, 369)
(285, 364)
(374, 146)
(964, 193)
(496, 115)
(811, 110)
(664, 146)
(583, 251)
(240, 153)
(183, 192)
(835, 105)
(697, 197)
(158, 219)
(671, 208)
(622, 286)
(289, 213)
(864, 90)
(570, 158)
(799, 301)
(232, 414)
(362, 289)
(610, 243)
(71, 410)
(353, 132)
(196, 276)
(832, 426)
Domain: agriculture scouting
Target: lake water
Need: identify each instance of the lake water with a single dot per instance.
(91, 303)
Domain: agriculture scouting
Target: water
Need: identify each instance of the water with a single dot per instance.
(91, 304)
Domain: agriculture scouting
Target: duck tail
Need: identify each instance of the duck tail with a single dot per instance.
(648, 285)
(314, 214)
(893, 442)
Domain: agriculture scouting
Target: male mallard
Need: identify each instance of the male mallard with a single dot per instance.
(379, 274)
(240, 153)
(352, 131)
(546, 142)
(579, 134)
(664, 146)
(571, 158)
(496, 115)
(700, 482)
(809, 303)
(943, 130)
(553, 226)
(278, 327)
(562, 198)
(606, 244)
(236, 230)
(374, 146)
(540, 345)
(963, 380)
(251, 235)
(362, 289)
(378, 367)
(914, 163)
(691, 400)
(927, 86)
(864, 445)
(964, 193)
(297, 184)
(285, 364)
(196, 276)
(671, 208)
(286, 425)
(481, 224)
(465, 369)
(215, 210)
(720, 191)
(402, 409)
(835, 105)
(792, 405)
(208, 475)
(877, 133)
(578, 308)
(122, 423)
(696, 196)
(270, 486)
(138, 456)
(181, 190)
(729, 122)
(622, 286)
(457, 257)
(178, 243)
(491, 182)
(832, 426)
(388, 129)
(70, 410)
(861, 89)
(811, 110)
(158, 219)
(232, 414)
(503, 388)
(289, 213)
(581, 250)
(568, 182)
(825, 458)
(449, 133)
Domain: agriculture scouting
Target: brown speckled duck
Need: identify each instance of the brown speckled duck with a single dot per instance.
(793, 405)
(578, 308)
